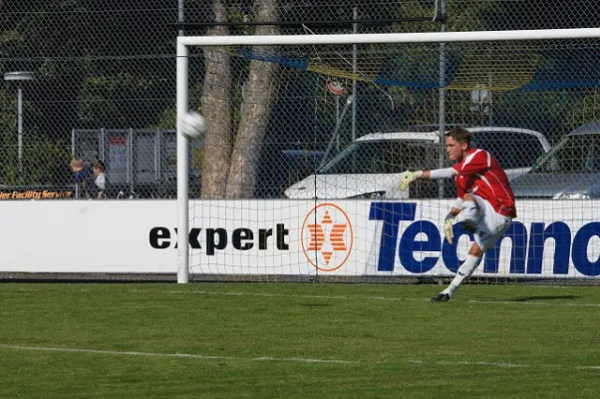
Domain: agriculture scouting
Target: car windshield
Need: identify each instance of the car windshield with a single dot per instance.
(379, 157)
(395, 156)
(512, 150)
(573, 154)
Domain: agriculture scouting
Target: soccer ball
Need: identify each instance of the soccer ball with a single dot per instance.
(193, 125)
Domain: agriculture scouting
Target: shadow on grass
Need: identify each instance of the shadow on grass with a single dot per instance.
(543, 298)
(316, 305)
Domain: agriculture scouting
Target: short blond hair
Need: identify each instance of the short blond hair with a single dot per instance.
(460, 134)
(76, 162)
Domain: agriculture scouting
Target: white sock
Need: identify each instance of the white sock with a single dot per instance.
(464, 271)
(468, 212)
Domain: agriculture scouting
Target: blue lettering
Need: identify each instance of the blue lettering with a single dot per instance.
(580, 246)
(391, 213)
(409, 245)
(561, 234)
(517, 233)
(527, 250)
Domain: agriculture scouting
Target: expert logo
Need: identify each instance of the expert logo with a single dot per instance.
(327, 237)
(212, 240)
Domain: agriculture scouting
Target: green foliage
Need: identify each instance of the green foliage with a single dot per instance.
(585, 109)
(117, 71)
(169, 116)
(69, 47)
(168, 120)
(423, 60)
(10, 36)
(8, 137)
(8, 112)
(471, 15)
(43, 159)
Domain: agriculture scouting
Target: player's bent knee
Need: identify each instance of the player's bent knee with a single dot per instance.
(476, 250)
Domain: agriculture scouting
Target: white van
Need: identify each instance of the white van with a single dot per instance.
(370, 167)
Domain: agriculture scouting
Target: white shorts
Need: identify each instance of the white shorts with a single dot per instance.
(490, 224)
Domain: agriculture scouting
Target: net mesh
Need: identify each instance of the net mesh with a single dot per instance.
(493, 66)
(311, 116)
(341, 133)
(107, 65)
(105, 88)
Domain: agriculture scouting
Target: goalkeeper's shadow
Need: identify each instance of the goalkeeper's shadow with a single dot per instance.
(543, 298)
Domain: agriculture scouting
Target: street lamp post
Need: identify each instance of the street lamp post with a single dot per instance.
(19, 78)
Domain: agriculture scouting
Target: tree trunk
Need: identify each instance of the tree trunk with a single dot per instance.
(257, 106)
(216, 108)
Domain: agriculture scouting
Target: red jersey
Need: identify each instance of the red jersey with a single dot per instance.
(479, 173)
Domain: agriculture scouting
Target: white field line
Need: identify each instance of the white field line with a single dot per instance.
(378, 298)
(504, 365)
(291, 359)
(174, 355)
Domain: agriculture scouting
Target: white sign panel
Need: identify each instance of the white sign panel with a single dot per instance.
(557, 239)
(84, 236)
(368, 238)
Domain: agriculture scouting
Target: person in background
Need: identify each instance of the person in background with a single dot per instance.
(101, 181)
(84, 182)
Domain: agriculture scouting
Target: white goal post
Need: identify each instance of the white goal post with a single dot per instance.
(183, 42)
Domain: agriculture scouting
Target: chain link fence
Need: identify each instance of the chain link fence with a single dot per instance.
(96, 81)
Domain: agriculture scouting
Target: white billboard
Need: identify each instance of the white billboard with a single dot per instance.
(558, 239)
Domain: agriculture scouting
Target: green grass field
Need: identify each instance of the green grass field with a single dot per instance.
(226, 340)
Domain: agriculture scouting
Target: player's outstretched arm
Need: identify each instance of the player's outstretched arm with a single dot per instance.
(408, 176)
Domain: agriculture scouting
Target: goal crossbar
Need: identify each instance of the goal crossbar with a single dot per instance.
(428, 37)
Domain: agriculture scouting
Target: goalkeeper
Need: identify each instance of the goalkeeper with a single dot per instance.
(485, 202)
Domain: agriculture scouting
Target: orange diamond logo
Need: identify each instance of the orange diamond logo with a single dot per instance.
(327, 237)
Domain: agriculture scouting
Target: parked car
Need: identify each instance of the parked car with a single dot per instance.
(570, 170)
(370, 166)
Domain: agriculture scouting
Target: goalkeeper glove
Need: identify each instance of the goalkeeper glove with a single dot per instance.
(408, 177)
(448, 231)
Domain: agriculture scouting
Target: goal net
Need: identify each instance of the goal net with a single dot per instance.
(307, 136)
